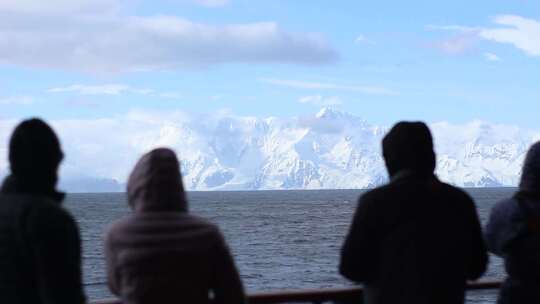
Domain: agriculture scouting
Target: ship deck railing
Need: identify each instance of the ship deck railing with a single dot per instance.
(327, 295)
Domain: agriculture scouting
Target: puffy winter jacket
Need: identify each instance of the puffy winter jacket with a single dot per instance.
(513, 232)
(161, 253)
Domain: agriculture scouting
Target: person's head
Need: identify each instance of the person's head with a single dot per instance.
(34, 156)
(155, 184)
(530, 174)
(409, 146)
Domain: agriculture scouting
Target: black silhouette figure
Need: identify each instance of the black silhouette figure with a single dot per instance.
(40, 255)
(513, 232)
(415, 240)
(162, 254)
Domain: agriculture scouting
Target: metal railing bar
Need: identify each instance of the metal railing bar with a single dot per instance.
(317, 296)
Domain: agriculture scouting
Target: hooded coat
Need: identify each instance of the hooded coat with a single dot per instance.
(162, 254)
(414, 240)
(40, 247)
(513, 232)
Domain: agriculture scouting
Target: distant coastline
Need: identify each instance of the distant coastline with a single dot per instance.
(280, 190)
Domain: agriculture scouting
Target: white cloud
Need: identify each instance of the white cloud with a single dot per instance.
(456, 28)
(112, 89)
(456, 45)
(491, 57)
(319, 100)
(16, 100)
(102, 39)
(82, 6)
(300, 84)
(82, 103)
(55, 7)
(106, 89)
(362, 39)
(521, 32)
(212, 3)
(90, 153)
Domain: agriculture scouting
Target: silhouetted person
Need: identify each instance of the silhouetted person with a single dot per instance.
(162, 254)
(513, 232)
(40, 255)
(415, 240)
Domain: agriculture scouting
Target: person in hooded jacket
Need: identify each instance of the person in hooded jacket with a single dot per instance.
(40, 247)
(513, 232)
(162, 254)
(414, 240)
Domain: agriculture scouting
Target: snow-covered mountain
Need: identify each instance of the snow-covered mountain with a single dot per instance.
(332, 149)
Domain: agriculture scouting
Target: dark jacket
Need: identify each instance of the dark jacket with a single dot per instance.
(513, 232)
(161, 253)
(40, 255)
(40, 248)
(415, 240)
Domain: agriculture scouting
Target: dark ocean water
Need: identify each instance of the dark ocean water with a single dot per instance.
(280, 239)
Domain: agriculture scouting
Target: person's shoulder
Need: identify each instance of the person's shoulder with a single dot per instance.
(125, 225)
(376, 192)
(120, 223)
(204, 226)
(374, 199)
(174, 221)
(506, 208)
(454, 192)
(36, 212)
(28, 201)
(380, 193)
(44, 216)
(509, 202)
(49, 210)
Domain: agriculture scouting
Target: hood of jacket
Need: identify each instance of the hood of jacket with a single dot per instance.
(155, 184)
(409, 147)
(530, 174)
(34, 158)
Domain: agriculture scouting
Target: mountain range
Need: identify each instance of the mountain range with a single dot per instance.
(329, 150)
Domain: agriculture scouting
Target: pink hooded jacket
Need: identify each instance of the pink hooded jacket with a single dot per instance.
(162, 254)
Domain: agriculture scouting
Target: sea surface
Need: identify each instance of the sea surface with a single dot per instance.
(280, 239)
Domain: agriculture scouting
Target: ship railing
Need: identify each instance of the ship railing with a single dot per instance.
(327, 295)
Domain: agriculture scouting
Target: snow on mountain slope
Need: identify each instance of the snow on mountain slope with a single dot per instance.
(480, 154)
(331, 149)
(334, 149)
